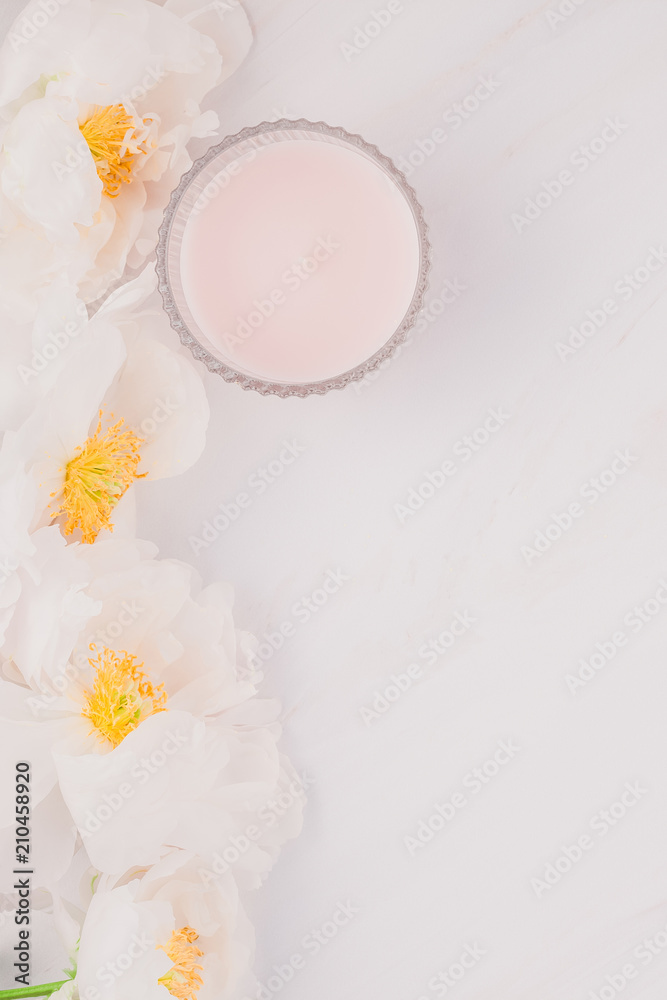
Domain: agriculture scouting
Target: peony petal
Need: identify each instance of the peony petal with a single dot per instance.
(212, 907)
(126, 803)
(118, 955)
(32, 742)
(163, 399)
(48, 960)
(34, 49)
(135, 603)
(49, 173)
(52, 608)
(225, 21)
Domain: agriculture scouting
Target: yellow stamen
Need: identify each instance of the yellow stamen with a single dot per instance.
(183, 980)
(96, 478)
(113, 137)
(122, 696)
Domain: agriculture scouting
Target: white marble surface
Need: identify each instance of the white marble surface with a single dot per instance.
(555, 83)
(551, 86)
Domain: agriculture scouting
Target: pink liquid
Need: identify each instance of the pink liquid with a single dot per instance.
(302, 264)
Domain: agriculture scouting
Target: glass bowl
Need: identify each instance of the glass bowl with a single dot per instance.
(199, 185)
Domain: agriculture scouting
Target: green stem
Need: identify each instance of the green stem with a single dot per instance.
(32, 991)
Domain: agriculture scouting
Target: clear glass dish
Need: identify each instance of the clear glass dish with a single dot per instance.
(190, 192)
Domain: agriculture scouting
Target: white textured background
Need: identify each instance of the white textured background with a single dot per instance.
(555, 83)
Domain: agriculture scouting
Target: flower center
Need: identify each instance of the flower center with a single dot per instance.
(122, 696)
(96, 478)
(115, 138)
(183, 980)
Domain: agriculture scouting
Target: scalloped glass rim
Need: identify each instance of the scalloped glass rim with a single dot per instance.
(228, 373)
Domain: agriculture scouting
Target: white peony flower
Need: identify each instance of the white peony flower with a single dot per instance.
(206, 925)
(157, 786)
(151, 933)
(154, 736)
(99, 103)
(122, 406)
